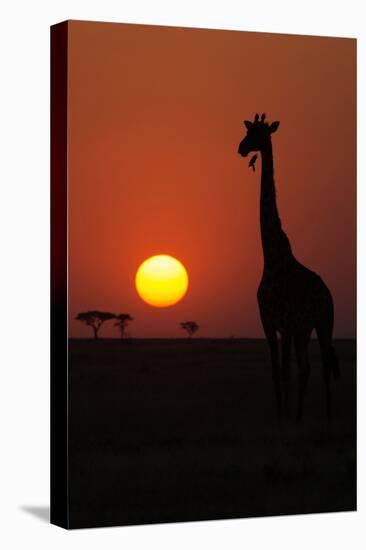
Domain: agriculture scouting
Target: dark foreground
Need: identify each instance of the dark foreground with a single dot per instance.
(178, 430)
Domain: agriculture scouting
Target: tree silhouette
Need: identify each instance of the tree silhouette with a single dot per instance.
(122, 321)
(94, 319)
(190, 327)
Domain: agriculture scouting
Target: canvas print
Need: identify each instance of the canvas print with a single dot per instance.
(203, 274)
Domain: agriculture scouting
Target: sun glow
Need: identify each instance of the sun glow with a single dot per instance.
(161, 281)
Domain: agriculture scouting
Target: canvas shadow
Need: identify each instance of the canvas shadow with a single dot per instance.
(40, 512)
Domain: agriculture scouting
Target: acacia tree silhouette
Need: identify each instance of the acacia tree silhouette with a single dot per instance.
(94, 319)
(292, 299)
(190, 327)
(122, 321)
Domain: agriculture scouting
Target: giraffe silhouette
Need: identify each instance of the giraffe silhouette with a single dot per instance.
(292, 299)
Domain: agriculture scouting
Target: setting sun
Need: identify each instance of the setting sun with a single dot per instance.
(161, 281)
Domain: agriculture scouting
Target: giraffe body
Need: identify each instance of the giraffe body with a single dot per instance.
(292, 299)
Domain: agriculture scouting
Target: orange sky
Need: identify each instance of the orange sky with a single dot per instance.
(155, 119)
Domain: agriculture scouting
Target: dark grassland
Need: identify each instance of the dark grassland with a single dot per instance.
(181, 430)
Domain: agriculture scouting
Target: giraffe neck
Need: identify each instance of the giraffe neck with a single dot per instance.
(275, 244)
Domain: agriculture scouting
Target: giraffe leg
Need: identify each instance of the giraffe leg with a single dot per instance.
(301, 350)
(276, 374)
(327, 371)
(330, 364)
(286, 370)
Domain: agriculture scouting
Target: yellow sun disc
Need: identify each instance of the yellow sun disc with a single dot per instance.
(161, 281)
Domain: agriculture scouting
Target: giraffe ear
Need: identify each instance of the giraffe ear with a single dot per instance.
(274, 126)
(248, 124)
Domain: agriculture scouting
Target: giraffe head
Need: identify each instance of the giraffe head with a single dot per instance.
(258, 135)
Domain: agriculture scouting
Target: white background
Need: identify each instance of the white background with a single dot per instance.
(24, 238)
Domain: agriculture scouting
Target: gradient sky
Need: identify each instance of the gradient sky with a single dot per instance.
(155, 118)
